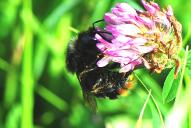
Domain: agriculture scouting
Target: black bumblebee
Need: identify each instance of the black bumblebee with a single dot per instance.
(82, 56)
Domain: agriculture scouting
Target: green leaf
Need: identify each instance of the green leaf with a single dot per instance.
(170, 87)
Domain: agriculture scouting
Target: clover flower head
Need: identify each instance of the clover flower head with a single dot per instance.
(151, 38)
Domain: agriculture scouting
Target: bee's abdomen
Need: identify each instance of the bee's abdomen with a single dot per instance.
(111, 84)
(114, 91)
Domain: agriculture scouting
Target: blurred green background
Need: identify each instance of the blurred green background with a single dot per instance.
(36, 91)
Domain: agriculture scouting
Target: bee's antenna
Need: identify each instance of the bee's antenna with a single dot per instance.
(100, 32)
(97, 22)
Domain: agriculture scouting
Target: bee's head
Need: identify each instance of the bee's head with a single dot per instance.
(86, 43)
(82, 52)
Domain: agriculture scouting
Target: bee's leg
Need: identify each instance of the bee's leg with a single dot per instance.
(124, 74)
(84, 72)
(96, 88)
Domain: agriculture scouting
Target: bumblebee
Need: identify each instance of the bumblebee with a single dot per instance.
(101, 82)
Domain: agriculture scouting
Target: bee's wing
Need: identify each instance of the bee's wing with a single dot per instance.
(89, 98)
(90, 101)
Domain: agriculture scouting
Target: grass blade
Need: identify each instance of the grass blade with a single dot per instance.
(27, 75)
(182, 75)
(51, 98)
(139, 121)
(158, 109)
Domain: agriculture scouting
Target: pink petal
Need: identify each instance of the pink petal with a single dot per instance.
(138, 41)
(100, 46)
(113, 19)
(126, 68)
(169, 11)
(144, 49)
(118, 13)
(104, 42)
(146, 63)
(126, 47)
(161, 18)
(155, 5)
(120, 59)
(125, 29)
(137, 61)
(124, 11)
(150, 7)
(123, 53)
(103, 62)
(128, 29)
(130, 66)
(124, 7)
(145, 21)
(121, 40)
